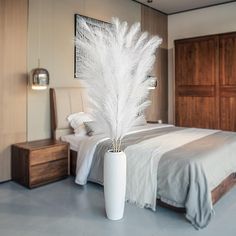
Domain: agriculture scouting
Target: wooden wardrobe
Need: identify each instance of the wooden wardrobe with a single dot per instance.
(205, 82)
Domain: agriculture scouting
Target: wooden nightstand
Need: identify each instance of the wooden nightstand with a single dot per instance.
(39, 162)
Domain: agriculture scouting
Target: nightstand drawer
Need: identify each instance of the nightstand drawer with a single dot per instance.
(39, 162)
(48, 154)
(48, 172)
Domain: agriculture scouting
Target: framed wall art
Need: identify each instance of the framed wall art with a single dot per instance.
(78, 30)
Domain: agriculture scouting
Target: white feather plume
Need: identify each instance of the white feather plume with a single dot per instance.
(114, 62)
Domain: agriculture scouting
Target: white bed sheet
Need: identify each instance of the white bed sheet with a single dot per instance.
(88, 146)
(74, 141)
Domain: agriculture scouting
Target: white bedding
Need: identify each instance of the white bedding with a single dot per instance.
(73, 140)
(86, 146)
(199, 160)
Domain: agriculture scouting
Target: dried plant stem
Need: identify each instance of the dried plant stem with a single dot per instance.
(113, 145)
(116, 145)
(119, 147)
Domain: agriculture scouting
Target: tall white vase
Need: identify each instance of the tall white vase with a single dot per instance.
(114, 184)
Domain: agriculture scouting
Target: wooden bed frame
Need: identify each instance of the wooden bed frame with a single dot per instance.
(217, 193)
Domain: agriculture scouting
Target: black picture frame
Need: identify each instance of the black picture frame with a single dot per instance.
(91, 21)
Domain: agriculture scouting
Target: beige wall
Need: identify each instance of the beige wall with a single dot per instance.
(56, 21)
(213, 20)
(13, 79)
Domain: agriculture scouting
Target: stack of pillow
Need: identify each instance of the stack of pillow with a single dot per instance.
(83, 124)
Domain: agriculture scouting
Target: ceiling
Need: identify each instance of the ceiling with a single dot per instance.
(176, 6)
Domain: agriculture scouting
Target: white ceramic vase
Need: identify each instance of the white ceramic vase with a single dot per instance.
(114, 184)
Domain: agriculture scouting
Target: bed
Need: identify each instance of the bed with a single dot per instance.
(65, 101)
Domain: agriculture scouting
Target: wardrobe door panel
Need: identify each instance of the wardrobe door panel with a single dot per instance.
(227, 72)
(193, 58)
(196, 75)
(228, 113)
(196, 112)
(227, 60)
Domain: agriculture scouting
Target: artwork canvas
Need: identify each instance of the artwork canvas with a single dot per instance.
(79, 30)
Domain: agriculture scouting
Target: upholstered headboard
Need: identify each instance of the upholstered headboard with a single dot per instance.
(63, 102)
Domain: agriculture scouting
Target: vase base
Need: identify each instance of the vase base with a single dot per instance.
(115, 218)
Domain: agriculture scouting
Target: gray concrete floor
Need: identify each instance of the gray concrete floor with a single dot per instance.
(63, 208)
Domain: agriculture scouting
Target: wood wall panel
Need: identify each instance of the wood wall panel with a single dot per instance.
(196, 91)
(196, 111)
(197, 102)
(13, 78)
(156, 24)
(196, 61)
(227, 72)
(228, 113)
(228, 91)
(227, 60)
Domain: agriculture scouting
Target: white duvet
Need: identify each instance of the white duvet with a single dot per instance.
(88, 146)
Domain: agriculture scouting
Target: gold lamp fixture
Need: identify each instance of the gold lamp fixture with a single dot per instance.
(39, 77)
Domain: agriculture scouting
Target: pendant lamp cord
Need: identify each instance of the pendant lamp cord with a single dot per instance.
(39, 30)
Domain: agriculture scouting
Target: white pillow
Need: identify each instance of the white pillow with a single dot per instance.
(140, 121)
(76, 121)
